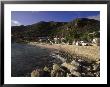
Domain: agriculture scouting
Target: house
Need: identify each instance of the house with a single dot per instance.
(55, 40)
(96, 41)
(78, 43)
(84, 43)
(43, 39)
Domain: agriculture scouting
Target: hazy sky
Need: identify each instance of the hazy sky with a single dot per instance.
(31, 17)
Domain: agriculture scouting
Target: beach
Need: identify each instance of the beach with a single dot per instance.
(88, 52)
(27, 57)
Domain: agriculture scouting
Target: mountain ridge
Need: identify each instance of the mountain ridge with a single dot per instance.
(78, 28)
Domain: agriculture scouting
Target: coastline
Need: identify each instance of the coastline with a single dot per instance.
(28, 59)
(91, 53)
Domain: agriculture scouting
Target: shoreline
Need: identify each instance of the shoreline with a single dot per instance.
(32, 57)
(86, 52)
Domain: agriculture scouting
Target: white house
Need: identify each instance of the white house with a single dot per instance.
(96, 41)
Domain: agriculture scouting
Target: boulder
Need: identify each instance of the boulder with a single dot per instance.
(56, 67)
(69, 66)
(75, 73)
(53, 73)
(75, 63)
(46, 69)
(35, 73)
(95, 67)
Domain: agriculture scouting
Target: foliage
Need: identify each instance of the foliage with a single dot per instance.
(79, 28)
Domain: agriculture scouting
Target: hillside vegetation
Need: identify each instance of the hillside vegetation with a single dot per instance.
(80, 28)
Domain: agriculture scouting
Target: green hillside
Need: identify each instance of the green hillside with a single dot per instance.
(80, 28)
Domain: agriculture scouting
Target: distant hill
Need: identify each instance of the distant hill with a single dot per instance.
(80, 28)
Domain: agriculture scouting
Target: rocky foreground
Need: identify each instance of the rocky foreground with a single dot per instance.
(77, 61)
(43, 60)
(69, 67)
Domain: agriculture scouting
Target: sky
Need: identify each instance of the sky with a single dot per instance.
(31, 17)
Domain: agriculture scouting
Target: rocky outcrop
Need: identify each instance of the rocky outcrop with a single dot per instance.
(73, 69)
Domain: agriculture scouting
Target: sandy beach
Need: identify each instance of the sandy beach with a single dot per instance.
(87, 52)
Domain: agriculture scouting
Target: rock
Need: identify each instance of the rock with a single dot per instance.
(88, 68)
(53, 73)
(35, 73)
(83, 74)
(46, 69)
(98, 62)
(69, 66)
(97, 74)
(80, 60)
(90, 74)
(75, 63)
(75, 73)
(59, 74)
(57, 71)
(69, 75)
(56, 67)
(95, 67)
